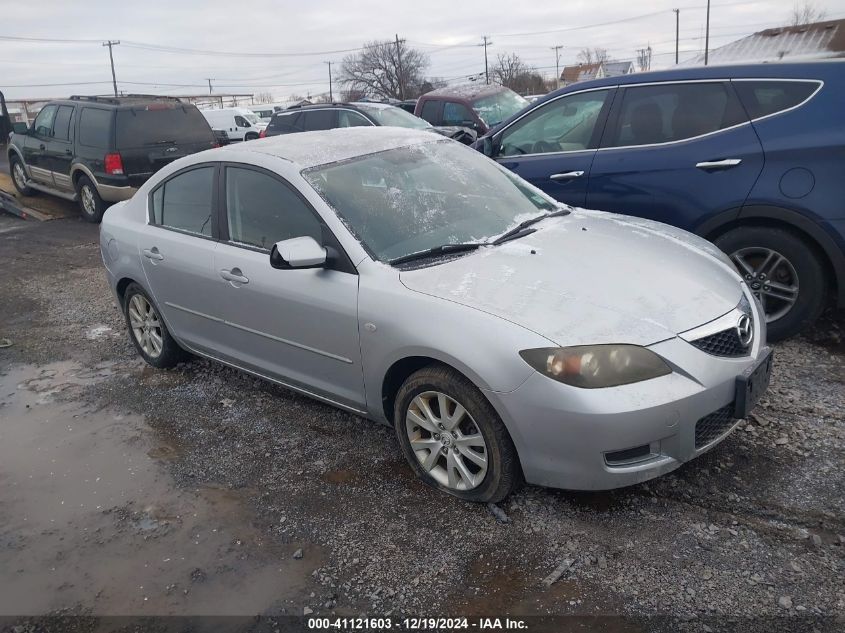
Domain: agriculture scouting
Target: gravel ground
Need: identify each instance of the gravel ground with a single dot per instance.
(754, 529)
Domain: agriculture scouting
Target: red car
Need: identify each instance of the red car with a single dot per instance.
(478, 106)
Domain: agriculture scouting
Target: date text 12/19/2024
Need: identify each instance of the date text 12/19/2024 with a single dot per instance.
(416, 624)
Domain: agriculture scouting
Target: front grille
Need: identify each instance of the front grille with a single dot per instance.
(713, 426)
(724, 343)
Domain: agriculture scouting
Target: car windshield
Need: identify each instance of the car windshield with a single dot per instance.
(494, 109)
(396, 117)
(252, 118)
(414, 198)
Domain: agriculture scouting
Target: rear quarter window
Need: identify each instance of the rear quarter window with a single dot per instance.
(429, 111)
(95, 127)
(762, 98)
(284, 123)
(158, 124)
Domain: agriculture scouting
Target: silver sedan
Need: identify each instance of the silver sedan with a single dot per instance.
(413, 281)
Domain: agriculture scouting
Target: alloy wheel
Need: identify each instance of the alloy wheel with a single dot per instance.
(88, 202)
(771, 277)
(20, 176)
(446, 441)
(146, 326)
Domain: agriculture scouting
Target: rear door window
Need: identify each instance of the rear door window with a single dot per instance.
(319, 120)
(95, 127)
(61, 126)
(184, 202)
(762, 98)
(664, 113)
(161, 124)
(430, 111)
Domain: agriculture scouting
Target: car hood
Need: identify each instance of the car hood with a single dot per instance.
(591, 278)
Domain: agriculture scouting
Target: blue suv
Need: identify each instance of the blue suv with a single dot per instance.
(751, 157)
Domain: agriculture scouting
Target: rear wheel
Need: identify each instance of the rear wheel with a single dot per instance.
(250, 137)
(784, 273)
(19, 176)
(453, 438)
(90, 202)
(147, 330)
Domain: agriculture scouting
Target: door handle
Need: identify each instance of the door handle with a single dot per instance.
(569, 175)
(68, 152)
(235, 276)
(727, 163)
(152, 253)
(42, 147)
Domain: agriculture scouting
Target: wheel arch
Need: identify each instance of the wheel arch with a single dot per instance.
(78, 170)
(830, 253)
(14, 152)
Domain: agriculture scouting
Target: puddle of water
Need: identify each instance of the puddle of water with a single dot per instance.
(91, 517)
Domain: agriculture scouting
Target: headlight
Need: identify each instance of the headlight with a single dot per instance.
(595, 366)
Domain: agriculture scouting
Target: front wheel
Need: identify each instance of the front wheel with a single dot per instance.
(453, 438)
(784, 273)
(19, 177)
(250, 137)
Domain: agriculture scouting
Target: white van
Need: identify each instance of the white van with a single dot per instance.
(239, 123)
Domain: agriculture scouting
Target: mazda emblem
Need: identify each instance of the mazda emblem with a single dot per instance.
(745, 330)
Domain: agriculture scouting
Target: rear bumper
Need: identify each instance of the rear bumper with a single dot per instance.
(598, 439)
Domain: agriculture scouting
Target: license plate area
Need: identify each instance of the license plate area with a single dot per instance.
(752, 384)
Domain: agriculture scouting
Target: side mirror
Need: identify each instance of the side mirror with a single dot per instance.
(490, 147)
(298, 252)
(19, 127)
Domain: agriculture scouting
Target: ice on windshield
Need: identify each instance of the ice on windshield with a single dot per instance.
(414, 198)
(396, 117)
(495, 108)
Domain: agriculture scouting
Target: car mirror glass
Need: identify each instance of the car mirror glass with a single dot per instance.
(19, 127)
(298, 252)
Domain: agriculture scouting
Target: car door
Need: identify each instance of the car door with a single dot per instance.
(177, 252)
(35, 146)
(677, 153)
(553, 145)
(431, 111)
(299, 326)
(60, 147)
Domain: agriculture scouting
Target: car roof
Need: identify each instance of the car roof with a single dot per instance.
(467, 90)
(309, 149)
(127, 101)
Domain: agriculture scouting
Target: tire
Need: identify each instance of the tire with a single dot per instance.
(800, 269)
(90, 203)
(250, 137)
(492, 483)
(167, 352)
(17, 172)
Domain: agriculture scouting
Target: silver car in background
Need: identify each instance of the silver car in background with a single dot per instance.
(413, 281)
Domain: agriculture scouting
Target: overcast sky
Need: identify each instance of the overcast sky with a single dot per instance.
(280, 47)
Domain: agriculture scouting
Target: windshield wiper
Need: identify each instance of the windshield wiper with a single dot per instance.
(520, 229)
(436, 250)
(162, 142)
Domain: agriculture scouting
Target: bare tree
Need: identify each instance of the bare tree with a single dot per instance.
(644, 58)
(352, 94)
(264, 97)
(384, 69)
(806, 13)
(509, 70)
(595, 55)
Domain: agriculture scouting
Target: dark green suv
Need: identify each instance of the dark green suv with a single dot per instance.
(97, 150)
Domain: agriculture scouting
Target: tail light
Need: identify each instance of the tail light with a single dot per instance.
(215, 144)
(262, 134)
(114, 164)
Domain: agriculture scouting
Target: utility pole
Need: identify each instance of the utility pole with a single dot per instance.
(485, 44)
(677, 32)
(556, 49)
(707, 35)
(111, 43)
(331, 94)
(399, 68)
(209, 80)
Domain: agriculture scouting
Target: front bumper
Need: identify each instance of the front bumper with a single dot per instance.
(598, 439)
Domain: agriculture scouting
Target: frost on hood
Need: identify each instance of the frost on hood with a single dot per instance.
(425, 195)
